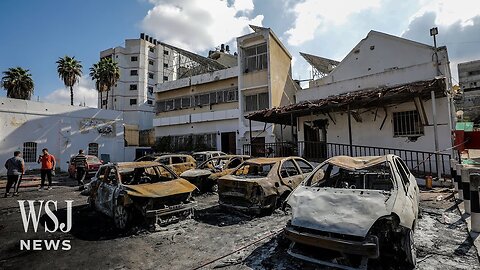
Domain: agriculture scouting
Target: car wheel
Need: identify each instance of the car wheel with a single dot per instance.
(410, 250)
(120, 217)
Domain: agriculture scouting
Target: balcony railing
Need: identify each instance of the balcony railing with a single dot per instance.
(419, 162)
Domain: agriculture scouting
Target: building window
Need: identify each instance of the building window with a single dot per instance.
(133, 87)
(104, 102)
(165, 52)
(165, 78)
(149, 102)
(133, 101)
(133, 58)
(133, 72)
(150, 75)
(186, 102)
(165, 65)
(152, 49)
(93, 149)
(30, 152)
(150, 90)
(151, 62)
(255, 58)
(407, 124)
(256, 102)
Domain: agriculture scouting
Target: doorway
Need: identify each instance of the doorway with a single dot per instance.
(228, 140)
(315, 139)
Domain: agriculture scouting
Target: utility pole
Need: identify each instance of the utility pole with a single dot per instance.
(434, 33)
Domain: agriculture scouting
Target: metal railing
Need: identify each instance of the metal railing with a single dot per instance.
(421, 163)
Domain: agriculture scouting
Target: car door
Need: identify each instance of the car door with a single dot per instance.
(290, 174)
(408, 194)
(106, 191)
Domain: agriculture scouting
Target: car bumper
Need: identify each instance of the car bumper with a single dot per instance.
(172, 213)
(368, 248)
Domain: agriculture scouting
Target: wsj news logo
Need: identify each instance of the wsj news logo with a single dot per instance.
(34, 216)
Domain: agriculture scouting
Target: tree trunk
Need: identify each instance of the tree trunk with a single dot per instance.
(71, 95)
(106, 104)
(101, 100)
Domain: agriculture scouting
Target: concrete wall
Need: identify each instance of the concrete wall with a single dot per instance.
(60, 128)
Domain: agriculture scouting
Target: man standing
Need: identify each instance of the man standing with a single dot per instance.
(80, 162)
(48, 167)
(15, 169)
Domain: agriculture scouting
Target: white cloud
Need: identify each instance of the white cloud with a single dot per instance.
(84, 91)
(449, 12)
(311, 16)
(199, 25)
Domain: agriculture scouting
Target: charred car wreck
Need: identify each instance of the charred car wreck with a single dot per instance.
(260, 185)
(206, 174)
(350, 210)
(148, 190)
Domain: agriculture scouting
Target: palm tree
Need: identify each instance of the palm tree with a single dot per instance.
(105, 73)
(18, 83)
(69, 70)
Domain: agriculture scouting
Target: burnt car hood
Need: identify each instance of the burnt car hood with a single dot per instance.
(160, 189)
(343, 211)
(264, 182)
(193, 173)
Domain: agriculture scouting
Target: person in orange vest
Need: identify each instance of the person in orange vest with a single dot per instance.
(48, 166)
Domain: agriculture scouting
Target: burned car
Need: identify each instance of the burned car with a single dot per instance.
(352, 209)
(177, 162)
(206, 174)
(260, 185)
(140, 189)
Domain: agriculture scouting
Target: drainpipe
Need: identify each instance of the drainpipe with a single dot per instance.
(250, 135)
(350, 130)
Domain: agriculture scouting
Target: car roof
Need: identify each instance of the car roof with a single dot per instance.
(207, 152)
(357, 163)
(137, 164)
(264, 160)
(171, 155)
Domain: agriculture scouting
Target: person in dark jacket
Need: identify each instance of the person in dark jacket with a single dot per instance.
(15, 169)
(80, 162)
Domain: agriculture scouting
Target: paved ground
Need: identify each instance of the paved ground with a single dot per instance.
(441, 238)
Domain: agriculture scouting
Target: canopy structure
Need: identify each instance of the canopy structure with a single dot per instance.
(366, 98)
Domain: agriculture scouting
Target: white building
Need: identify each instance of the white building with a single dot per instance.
(378, 96)
(469, 80)
(207, 109)
(30, 126)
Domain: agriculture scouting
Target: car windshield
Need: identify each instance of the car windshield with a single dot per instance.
(147, 158)
(217, 163)
(144, 175)
(93, 159)
(200, 157)
(377, 177)
(252, 170)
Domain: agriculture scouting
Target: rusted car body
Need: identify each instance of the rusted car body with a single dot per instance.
(260, 185)
(177, 162)
(146, 189)
(350, 210)
(206, 174)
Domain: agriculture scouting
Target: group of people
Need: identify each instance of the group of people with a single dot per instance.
(16, 169)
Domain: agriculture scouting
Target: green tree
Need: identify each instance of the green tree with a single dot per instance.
(105, 73)
(69, 70)
(18, 83)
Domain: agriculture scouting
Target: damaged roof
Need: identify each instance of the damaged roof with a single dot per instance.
(321, 64)
(365, 98)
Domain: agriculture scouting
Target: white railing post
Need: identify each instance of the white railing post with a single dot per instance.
(474, 201)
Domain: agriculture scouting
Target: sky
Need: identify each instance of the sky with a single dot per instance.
(36, 33)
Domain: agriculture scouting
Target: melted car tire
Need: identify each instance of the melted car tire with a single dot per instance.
(410, 250)
(121, 217)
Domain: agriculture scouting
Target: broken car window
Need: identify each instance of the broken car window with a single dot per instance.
(304, 166)
(136, 176)
(377, 177)
(288, 169)
(254, 170)
(403, 174)
(147, 158)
